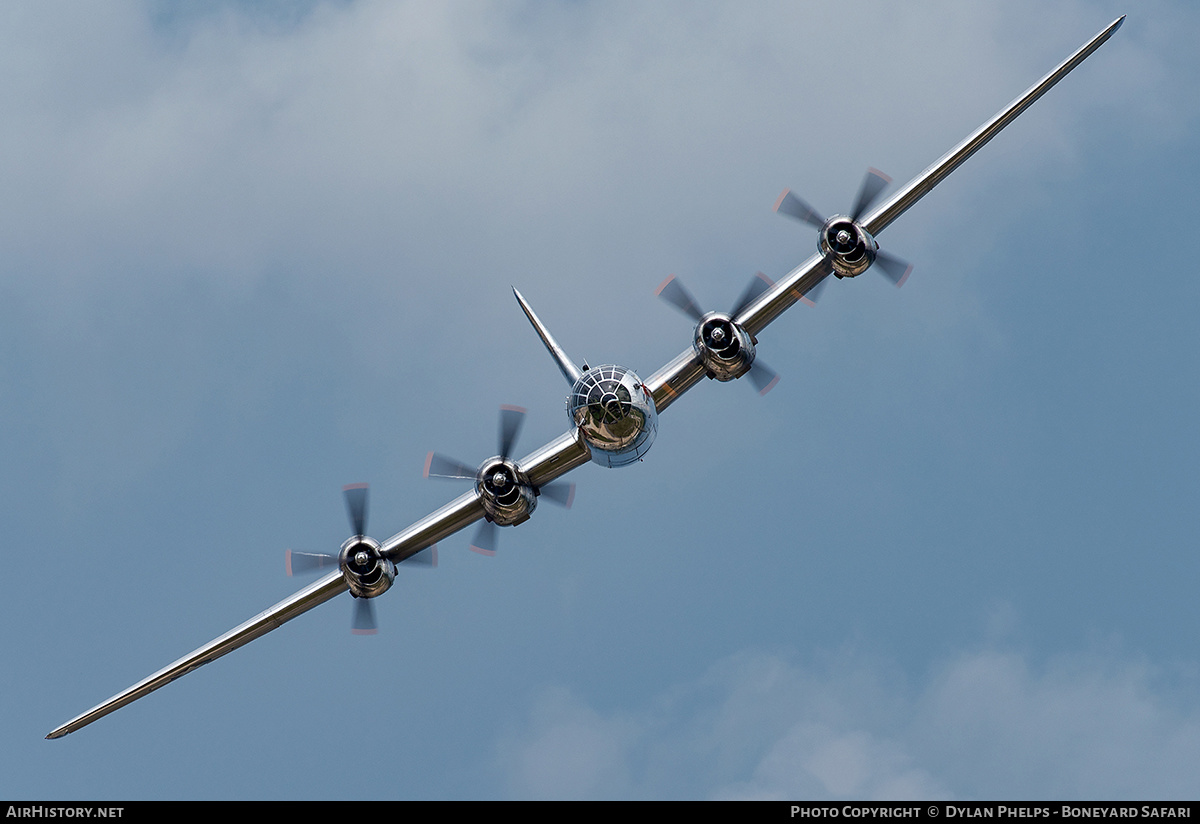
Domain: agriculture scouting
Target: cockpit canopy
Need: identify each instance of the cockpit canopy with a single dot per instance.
(615, 413)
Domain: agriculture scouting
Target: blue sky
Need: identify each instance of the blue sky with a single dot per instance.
(249, 255)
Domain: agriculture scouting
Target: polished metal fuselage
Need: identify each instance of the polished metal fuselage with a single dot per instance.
(614, 413)
(575, 448)
(725, 348)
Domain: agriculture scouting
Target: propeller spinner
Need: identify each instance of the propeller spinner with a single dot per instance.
(850, 247)
(507, 496)
(726, 348)
(368, 573)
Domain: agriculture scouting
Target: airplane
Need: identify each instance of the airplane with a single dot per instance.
(613, 413)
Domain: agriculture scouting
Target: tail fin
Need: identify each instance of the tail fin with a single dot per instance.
(570, 371)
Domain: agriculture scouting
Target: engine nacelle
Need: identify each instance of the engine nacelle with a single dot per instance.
(365, 568)
(505, 492)
(848, 245)
(725, 347)
(615, 413)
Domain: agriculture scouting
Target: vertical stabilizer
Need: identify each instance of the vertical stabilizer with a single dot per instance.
(570, 371)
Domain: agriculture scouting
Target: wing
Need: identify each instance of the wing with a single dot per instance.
(898, 203)
(560, 456)
(771, 303)
(459, 513)
(316, 593)
(569, 451)
(449, 519)
(542, 466)
(463, 511)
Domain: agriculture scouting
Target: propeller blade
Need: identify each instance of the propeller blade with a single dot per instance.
(758, 284)
(814, 294)
(560, 492)
(356, 506)
(363, 622)
(793, 206)
(425, 558)
(763, 377)
(485, 539)
(304, 562)
(511, 420)
(872, 185)
(439, 466)
(893, 268)
(673, 292)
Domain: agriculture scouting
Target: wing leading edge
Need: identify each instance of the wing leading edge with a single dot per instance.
(569, 451)
(542, 466)
(771, 303)
(316, 593)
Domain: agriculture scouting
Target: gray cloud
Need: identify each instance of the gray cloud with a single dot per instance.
(252, 251)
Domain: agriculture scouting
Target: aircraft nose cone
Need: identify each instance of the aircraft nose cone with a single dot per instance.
(611, 404)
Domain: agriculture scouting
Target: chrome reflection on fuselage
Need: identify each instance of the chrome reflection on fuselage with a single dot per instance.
(505, 493)
(617, 426)
(849, 247)
(368, 573)
(724, 346)
(609, 405)
(615, 413)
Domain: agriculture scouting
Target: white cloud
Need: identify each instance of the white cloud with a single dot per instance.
(257, 256)
(761, 725)
(571, 751)
(1081, 726)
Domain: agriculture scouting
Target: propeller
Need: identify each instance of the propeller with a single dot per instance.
(361, 557)
(507, 496)
(846, 239)
(720, 334)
